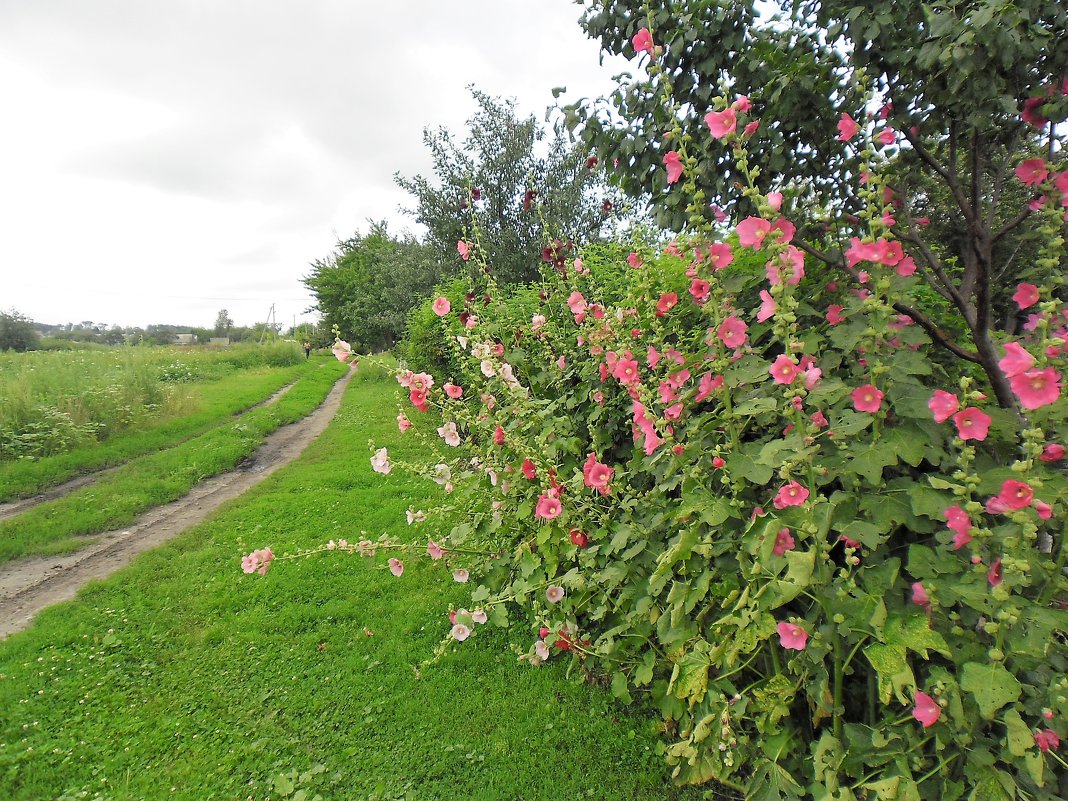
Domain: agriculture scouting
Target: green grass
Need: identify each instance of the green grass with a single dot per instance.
(60, 526)
(182, 678)
(208, 404)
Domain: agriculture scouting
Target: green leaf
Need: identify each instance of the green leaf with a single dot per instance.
(992, 685)
(1017, 734)
(689, 678)
(283, 784)
(619, 687)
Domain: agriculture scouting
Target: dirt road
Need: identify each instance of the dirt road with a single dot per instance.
(29, 585)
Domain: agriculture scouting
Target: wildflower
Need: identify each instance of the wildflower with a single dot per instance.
(867, 398)
(554, 594)
(479, 616)
(1046, 740)
(442, 306)
(342, 350)
(578, 538)
(449, 433)
(460, 632)
(1016, 360)
(643, 42)
(258, 561)
(1016, 494)
(666, 303)
(732, 332)
(597, 475)
(548, 508)
(460, 575)
(784, 542)
(768, 307)
(1036, 388)
(403, 423)
(434, 551)
(751, 232)
(926, 710)
(1052, 452)
(960, 524)
(943, 405)
(721, 123)
(380, 462)
(834, 314)
(453, 391)
(792, 636)
(847, 128)
(791, 494)
(971, 423)
(1032, 172)
(784, 370)
(993, 575)
(673, 165)
(396, 566)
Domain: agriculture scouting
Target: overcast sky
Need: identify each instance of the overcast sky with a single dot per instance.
(163, 159)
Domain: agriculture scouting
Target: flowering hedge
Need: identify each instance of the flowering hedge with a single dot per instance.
(833, 563)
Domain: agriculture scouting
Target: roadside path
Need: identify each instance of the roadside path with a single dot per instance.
(12, 508)
(29, 585)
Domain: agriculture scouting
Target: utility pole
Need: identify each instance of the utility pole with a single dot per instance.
(270, 317)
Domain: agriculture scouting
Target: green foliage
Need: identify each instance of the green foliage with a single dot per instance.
(693, 559)
(506, 158)
(17, 332)
(369, 285)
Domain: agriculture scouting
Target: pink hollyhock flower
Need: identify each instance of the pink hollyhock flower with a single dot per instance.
(720, 255)
(1047, 740)
(529, 471)
(548, 508)
(442, 306)
(1016, 494)
(791, 494)
(768, 306)
(906, 267)
(449, 433)
(673, 165)
(847, 128)
(1026, 295)
(1036, 388)
(861, 251)
(597, 475)
(479, 616)
(867, 398)
(718, 462)
(434, 551)
(721, 123)
(742, 103)
(1032, 172)
(578, 538)
(783, 542)
(666, 303)
(634, 260)
(834, 314)
(926, 710)
(1052, 452)
(749, 129)
(1016, 360)
(784, 370)
(498, 436)
(919, 595)
(792, 636)
(752, 231)
(460, 632)
(1031, 113)
(418, 399)
(576, 303)
(463, 250)
(700, 289)
(960, 524)
(971, 423)
(652, 356)
(706, 385)
(396, 567)
(554, 594)
(785, 231)
(993, 575)
(460, 575)
(258, 561)
(732, 332)
(819, 419)
(403, 423)
(453, 391)
(626, 371)
(886, 136)
(1043, 510)
(643, 42)
(380, 462)
(943, 405)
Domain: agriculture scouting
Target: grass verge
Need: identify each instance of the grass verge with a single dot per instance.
(214, 402)
(152, 480)
(181, 678)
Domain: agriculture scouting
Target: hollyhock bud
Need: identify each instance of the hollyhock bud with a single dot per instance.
(1052, 452)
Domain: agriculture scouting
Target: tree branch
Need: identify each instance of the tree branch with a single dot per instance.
(937, 334)
(950, 178)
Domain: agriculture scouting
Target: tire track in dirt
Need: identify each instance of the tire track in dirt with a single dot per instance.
(29, 585)
(12, 508)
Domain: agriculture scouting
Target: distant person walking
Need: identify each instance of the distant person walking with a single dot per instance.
(307, 350)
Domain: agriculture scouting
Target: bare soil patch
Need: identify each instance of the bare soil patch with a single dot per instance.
(29, 585)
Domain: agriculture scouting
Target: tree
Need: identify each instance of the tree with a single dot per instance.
(963, 92)
(370, 283)
(17, 332)
(522, 182)
(223, 323)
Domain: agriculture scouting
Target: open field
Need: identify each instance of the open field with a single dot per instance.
(61, 525)
(65, 412)
(182, 678)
